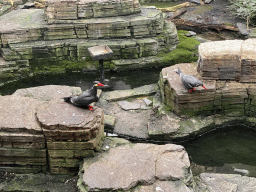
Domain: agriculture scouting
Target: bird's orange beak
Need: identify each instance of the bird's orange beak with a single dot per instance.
(100, 84)
(203, 86)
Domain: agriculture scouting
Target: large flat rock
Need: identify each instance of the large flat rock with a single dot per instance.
(124, 167)
(17, 114)
(48, 92)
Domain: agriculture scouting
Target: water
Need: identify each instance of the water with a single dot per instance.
(118, 81)
(227, 150)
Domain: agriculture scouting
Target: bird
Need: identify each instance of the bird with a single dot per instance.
(189, 81)
(86, 98)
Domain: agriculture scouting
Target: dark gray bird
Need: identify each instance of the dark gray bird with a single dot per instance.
(86, 98)
(189, 81)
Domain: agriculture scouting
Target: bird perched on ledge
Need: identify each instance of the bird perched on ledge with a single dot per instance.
(85, 99)
(189, 81)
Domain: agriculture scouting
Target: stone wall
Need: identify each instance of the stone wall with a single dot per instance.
(35, 134)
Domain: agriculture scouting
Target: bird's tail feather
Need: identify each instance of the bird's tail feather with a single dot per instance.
(67, 99)
(178, 71)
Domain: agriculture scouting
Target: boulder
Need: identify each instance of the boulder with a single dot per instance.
(125, 167)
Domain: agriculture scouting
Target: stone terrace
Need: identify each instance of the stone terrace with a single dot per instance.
(220, 67)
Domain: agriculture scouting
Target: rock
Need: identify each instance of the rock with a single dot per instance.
(23, 148)
(147, 102)
(207, 1)
(28, 5)
(40, 182)
(48, 92)
(124, 167)
(109, 121)
(242, 28)
(226, 182)
(191, 33)
(71, 133)
(162, 127)
(125, 94)
(128, 106)
(195, 1)
(248, 61)
(220, 60)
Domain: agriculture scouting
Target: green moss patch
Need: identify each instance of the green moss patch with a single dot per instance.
(184, 53)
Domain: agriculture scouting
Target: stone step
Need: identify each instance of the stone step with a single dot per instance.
(148, 23)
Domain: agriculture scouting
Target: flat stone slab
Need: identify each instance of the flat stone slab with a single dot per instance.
(48, 92)
(128, 105)
(125, 167)
(17, 114)
(124, 94)
(65, 116)
(226, 182)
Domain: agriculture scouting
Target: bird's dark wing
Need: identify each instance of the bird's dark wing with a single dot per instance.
(83, 101)
(190, 81)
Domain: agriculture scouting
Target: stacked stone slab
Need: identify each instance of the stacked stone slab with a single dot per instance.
(84, 9)
(22, 142)
(248, 61)
(71, 134)
(220, 60)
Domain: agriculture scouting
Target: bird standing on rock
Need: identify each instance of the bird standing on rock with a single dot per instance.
(85, 99)
(189, 81)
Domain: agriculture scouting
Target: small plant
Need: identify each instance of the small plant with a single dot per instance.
(243, 8)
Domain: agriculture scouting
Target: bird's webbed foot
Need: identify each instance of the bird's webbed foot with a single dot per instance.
(90, 107)
(191, 90)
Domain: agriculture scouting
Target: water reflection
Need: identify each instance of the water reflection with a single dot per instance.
(231, 150)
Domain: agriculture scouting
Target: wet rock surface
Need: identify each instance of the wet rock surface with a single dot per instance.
(125, 167)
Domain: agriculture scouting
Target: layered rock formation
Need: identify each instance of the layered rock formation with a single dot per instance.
(38, 127)
(227, 69)
(131, 31)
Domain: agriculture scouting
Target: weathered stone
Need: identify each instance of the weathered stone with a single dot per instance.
(226, 182)
(48, 92)
(124, 167)
(124, 94)
(128, 105)
(17, 114)
(109, 121)
(220, 59)
(242, 28)
(248, 61)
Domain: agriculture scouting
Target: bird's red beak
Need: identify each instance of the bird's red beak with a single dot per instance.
(203, 86)
(100, 84)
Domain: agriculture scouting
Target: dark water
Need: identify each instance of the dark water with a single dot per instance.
(226, 150)
(118, 81)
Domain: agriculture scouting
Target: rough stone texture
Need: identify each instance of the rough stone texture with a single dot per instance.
(128, 105)
(48, 92)
(71, 133)
(39, 182)
(22, 143)
(124, 94)
(226, 97)
(220, 60)
(177, 96)
(248, 61)
(124, 167)
(63, 10)
(225, 182)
